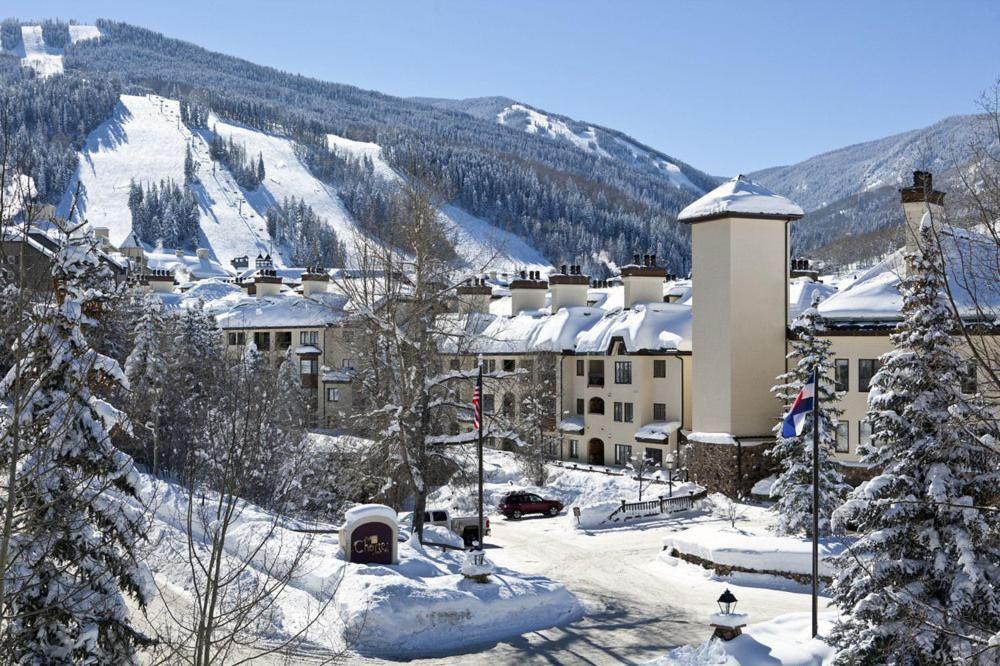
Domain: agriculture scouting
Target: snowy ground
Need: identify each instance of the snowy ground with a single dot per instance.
(45, 60)
(421, 606)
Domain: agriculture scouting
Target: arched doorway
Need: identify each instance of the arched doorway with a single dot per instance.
(595, 452)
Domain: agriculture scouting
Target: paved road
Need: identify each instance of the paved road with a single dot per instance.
(637, 607)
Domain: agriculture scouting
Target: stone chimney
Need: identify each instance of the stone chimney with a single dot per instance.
(314, 281)
(474, 295)
(102, 234)
(527, 292)
(267, 283)
(202, 254)
(918, 199)
(568, 288)
(643, 280)
(160, 281)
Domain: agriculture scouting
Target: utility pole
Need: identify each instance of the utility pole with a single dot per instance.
(815, 516)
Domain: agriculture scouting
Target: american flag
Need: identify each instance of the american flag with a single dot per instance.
(476, 409)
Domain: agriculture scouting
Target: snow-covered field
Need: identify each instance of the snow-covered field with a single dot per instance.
(45, 60)
(422, 606)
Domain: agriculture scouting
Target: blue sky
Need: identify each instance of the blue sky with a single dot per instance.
(726, 86)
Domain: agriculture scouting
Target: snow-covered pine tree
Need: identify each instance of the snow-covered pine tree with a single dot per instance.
(922, 584)
(792, 489)
(145, 368)
(71, 551)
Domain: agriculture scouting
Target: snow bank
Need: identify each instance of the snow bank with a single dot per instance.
(784, 641)
(731, 547)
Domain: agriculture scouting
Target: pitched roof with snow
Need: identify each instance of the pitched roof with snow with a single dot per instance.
(969, 260)
(282, 311)
(740, 197)
(646, 327)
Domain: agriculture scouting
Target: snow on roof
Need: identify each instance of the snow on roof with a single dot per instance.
(740, 196)
(281, 311)
(307, 349)
(800, 294)
(198, 268)
(712, 438)
(969, 260)
(131, 241)
(533, 331)
(340, 376)
(659, 431)
(571, 424)
(646, 327)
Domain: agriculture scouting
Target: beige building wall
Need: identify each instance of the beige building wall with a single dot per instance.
(740, 305)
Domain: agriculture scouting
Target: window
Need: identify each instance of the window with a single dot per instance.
(508, 406)
(509, 365)
(262, 341)
(622, 453)
(579, 367)
(579, 405)
(867, 367)
(842, 375)
(283, 340)
(864, 432)
(487, 403)
(843, 433)
(574, 449)
(528, 366)
(596, 406)
(969, 384)
(348, 364)
(332, 394)
(628, 412)
(308, 366)
(308, 337)
(489, 365)
(623, 372)
(237, 339)
(655, 456)
(618, 411)
(455, 364)
(347, 335)
(659, 367)
(659, 411)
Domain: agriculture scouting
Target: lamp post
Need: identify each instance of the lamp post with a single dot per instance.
(671, 463)
(727, 624)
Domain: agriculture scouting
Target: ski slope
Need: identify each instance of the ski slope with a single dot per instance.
(480, 245)
(145, 140)
(46, 61)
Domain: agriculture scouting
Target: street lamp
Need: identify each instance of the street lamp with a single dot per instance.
(671, 463)
(727, 602)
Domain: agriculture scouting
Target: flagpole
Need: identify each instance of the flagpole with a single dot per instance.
(479, 446)
(815, 503)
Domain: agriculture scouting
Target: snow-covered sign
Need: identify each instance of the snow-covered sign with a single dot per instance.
(369, 535)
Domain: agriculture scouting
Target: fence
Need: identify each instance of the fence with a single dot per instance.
(661, 505)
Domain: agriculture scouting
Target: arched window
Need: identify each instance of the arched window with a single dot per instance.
(596, 406)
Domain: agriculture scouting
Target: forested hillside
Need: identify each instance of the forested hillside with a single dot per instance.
(544, 189)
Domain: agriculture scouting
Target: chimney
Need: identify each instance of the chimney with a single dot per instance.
(314, 281)
(918, 199)
(568, 289)
(474, 295)
(179, 253)
(202, 254)
(102, 234)
(267, 283)
(160, 281)
(643, 284)
(527, 293)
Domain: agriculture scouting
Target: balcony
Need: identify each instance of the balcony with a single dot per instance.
(595, 380)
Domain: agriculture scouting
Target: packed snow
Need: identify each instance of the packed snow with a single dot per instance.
(740, 195)
(527, 119)
(81, 33)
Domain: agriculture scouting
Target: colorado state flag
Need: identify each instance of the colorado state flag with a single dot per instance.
(796, 417)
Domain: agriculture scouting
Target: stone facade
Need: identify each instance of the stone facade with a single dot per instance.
(728, 468)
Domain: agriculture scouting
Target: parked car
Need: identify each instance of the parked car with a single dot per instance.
(466, 527)
(515, 505)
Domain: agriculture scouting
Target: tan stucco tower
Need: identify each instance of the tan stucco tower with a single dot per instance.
(739, 241)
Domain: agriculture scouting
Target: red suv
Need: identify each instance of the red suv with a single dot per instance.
(515, 505)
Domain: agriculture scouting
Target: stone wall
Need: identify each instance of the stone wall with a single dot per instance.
(729, 469)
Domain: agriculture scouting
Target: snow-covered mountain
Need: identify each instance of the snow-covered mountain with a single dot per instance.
(596, 140)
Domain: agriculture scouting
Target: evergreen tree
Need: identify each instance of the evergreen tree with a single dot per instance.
(922, 584)
(261, 173)
(145, 369)
(72, 550)
(793, 487)
(190, 169)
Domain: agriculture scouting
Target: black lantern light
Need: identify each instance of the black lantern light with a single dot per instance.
(727, 602)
